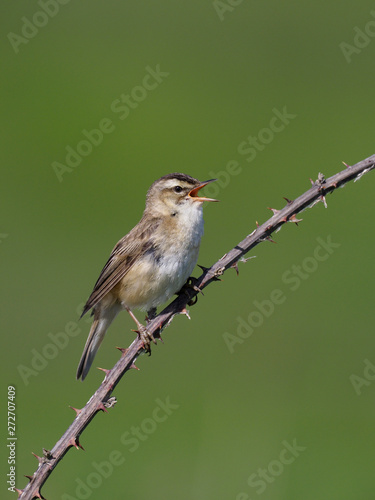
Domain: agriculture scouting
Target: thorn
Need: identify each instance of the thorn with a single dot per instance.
(75, 442)
(169, 320)
(323, 200)
(38, 495)
(275, 212)
(103, 370)
(29, 477)
(289, 202)
(186, 312)
(361, 174)
(317, 200)
(268, 238)
(133, 367)
(161, 340)
(79, 444)
(40, 460)
(19, 491)
(72, 442)
(123, 350)
(257, 223)
(294, 219)
(197, 289)
(312, 182)
(346, 165)
(102, 407)
(243, 259)
(204, 269)
(77, 410)
(235, 267)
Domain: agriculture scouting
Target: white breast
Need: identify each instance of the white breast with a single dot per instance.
(180, 255)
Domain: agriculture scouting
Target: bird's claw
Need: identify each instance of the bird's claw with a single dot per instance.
(142, 331)
(191, 285)
(146, 337)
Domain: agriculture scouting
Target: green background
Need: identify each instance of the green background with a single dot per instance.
(290, 380)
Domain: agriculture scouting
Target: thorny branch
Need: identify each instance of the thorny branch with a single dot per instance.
(101, 400)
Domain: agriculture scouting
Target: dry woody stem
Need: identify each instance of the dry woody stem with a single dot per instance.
(102, 400)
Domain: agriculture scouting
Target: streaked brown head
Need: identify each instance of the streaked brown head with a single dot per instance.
(173, 191)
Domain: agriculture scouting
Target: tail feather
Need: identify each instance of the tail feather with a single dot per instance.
(98, 330)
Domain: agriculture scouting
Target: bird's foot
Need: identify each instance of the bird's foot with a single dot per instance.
(146, 337)
(143, 333)
(190, 285)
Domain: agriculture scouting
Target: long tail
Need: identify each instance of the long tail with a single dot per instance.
(102, 320)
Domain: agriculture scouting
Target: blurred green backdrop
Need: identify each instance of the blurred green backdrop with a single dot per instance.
(226, 66)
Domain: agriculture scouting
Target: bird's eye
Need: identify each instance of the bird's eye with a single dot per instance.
(177, 189)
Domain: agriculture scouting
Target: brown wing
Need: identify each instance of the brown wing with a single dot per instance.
(122, 258)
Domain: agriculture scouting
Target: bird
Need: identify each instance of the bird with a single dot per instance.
(149, 264)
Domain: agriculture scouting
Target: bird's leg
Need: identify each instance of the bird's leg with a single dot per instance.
(143, 333)
(190, 284)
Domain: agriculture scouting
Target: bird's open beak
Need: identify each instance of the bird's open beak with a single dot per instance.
(194, 192)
